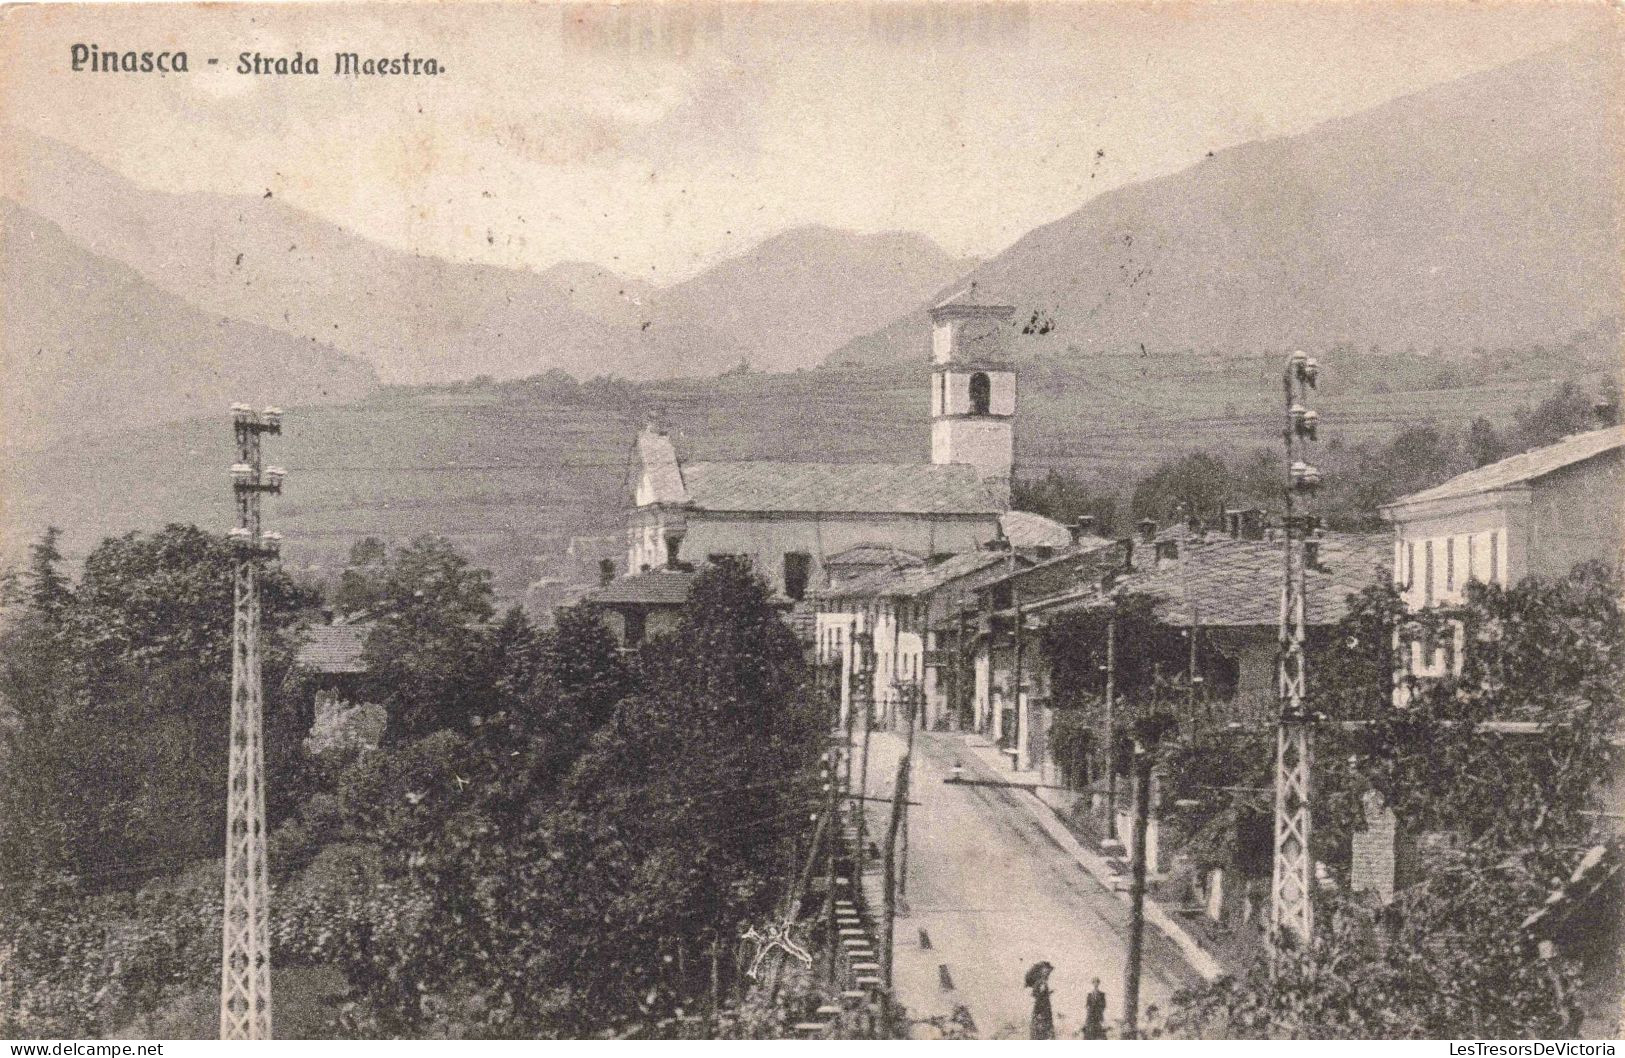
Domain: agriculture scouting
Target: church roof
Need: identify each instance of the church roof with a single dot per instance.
(969, 299)
(850, 488)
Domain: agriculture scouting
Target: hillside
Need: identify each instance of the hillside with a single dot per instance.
(788, 299)
(1480, 213)
(511, 476)
(421, 319)
(88, 344)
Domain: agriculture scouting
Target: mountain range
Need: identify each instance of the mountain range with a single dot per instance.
(1484, 212)
(88, 344)
(787, 303)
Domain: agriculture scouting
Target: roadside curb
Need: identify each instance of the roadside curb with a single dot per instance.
(1195, 955)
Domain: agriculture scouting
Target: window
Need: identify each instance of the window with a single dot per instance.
(1450, 564)
(1427, 573)
(981, 393)
(1410, 565)
(673, 544)
(797, 569)
(1472, 556)
(636, 627)
(1495, 557)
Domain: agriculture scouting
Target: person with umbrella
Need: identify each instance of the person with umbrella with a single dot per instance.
(1037, 979)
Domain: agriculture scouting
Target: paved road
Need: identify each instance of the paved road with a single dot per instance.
(994, 894)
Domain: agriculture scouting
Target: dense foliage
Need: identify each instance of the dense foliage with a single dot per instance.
(1450, 958)
(558, 839)
(1359, 477)
(121, 684)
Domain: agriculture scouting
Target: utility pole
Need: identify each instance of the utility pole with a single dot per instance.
(915, 696)
(832, 843)
(863, 667)
(1291, 892)
(1144, 754)
(1111, 722)
(899, 804)
(245, 950)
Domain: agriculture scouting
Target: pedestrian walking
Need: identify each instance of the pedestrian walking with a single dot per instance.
(1094, 1013)
(1043, 1026)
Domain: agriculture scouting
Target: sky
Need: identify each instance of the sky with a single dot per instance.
(657, 139)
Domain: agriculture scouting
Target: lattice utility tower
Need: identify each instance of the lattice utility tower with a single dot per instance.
(1291, 911)
(245, 951)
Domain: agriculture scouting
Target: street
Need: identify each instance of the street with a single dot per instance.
(988, 894)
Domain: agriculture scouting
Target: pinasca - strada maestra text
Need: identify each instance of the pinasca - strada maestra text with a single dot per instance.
(93, 58)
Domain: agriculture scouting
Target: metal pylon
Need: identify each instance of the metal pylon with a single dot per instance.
(1291, 893)
(1291, 909)
(245, 950)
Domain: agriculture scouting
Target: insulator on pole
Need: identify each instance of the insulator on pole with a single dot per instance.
(242, 474)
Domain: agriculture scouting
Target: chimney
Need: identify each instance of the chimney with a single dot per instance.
(1311, 554)
(606, 571)
(1148, 529)
(1606, 409)
(1250, 524)
(1084, 526)
(1167, 553)
(1128, 553)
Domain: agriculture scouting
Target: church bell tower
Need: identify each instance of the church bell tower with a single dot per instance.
(973, 387)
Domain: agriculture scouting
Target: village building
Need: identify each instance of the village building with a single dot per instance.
(906, 617)
(330, 659)
(806, 526)
(638, 607)
(1538, 513)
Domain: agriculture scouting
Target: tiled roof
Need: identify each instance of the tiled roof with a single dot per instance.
(1026, 529)
(861, 488)
(874, 555)
(1521, 468)
(919, 580)
(1219, 580)
(970, 298)
(656, 587)
(333, 648)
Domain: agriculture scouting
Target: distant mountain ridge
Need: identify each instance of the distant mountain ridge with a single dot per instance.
(1480, 212)
(420, 319)
(86, 344)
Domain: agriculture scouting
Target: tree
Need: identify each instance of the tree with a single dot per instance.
(424, 656)
(571, 861)
(1483, 444)
(1194, 484)
(34, 665)
(1066, 498)
(137, 676)
(361, 584)
(1451, 957)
